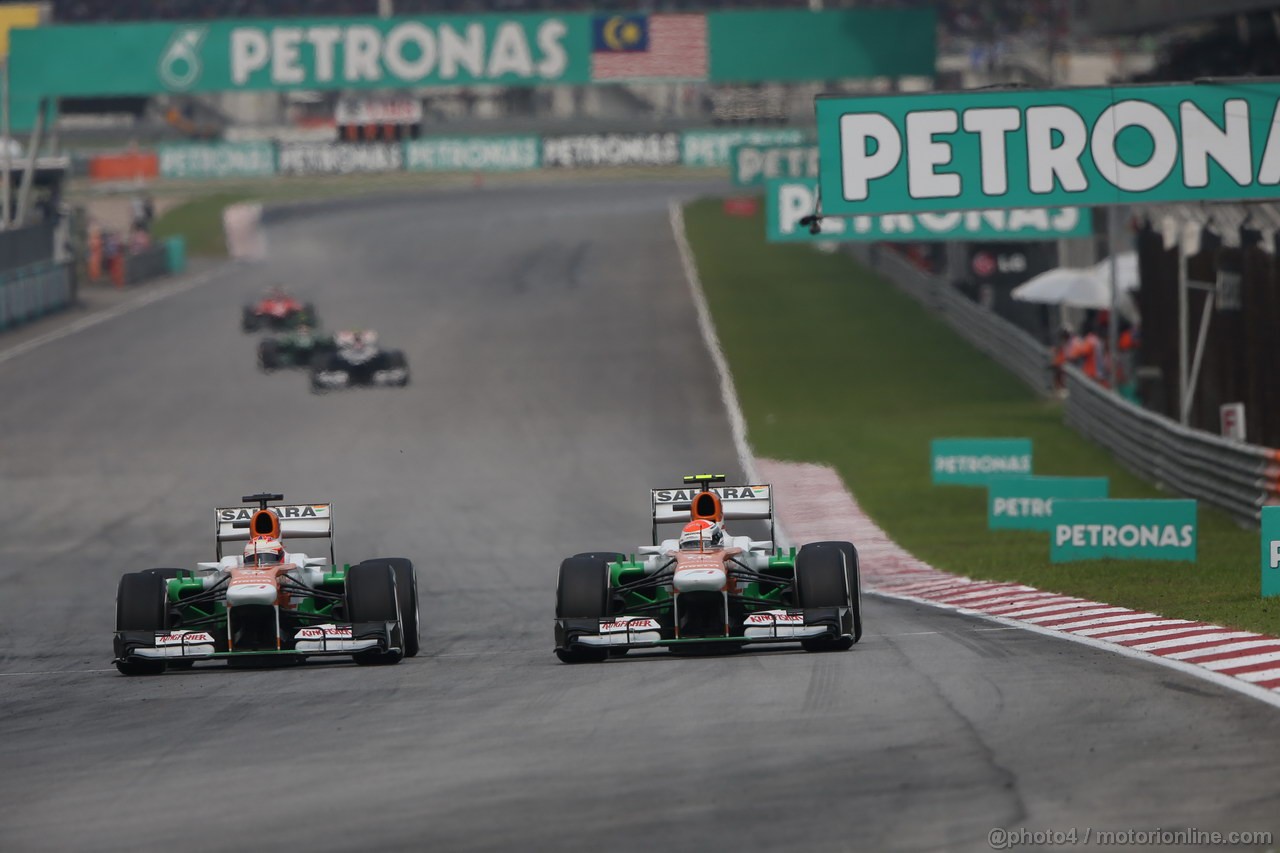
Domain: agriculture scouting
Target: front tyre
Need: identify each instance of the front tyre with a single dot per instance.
(268, 355)
(822, 582)
(371, 597)
(142, 605)
(854, 572)
(582, 592)
(407, 595)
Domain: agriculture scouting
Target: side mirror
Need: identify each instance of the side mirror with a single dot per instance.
(209, 565)
(317, 561)
(649, 549)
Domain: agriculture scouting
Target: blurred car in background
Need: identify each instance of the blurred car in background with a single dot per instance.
(358, 359)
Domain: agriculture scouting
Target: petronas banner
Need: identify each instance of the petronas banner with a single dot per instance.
(508, 50)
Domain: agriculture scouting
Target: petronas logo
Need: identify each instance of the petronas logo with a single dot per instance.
(180, 65)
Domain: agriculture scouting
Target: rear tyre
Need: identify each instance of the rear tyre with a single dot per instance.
(371, 597)
(407, 595)
(141, 606)
(822, 582)
(583, 593)
(249, 320)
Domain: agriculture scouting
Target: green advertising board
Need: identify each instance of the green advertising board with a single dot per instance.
(518, 49)
(1026, 503)
(752, 165)
(473, 154)
(1056, 147)
(712, 147)
(1123, 529)
(797, 44)
(301, 53)
(1270, 551)
(977, 461)
(216, 159)
(789, 201)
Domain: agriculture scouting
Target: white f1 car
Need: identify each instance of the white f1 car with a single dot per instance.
(708, 589)
(269, 603)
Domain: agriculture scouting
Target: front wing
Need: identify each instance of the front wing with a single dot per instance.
(764, 626)
(343, 377)
(313, 640)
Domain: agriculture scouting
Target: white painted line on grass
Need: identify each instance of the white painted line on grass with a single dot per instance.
(728, 393)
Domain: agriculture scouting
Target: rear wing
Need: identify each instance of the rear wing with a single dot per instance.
(297, 521)
(740, 503)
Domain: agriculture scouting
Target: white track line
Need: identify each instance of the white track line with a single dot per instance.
(154, 293)
(728, 393)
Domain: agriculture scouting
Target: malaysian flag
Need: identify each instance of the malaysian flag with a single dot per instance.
(649, 47)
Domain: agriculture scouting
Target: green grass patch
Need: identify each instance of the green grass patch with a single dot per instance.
(200, 222)
(834, 365)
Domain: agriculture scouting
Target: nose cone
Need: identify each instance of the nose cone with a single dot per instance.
(251, 593)
(699, 580)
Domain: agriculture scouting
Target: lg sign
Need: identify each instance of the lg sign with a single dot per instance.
(986, 264)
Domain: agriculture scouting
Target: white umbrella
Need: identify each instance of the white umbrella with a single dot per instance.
(1084, 288)
(1066, 286)
(1126, 271)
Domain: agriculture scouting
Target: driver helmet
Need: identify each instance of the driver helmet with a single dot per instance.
(264, 552)
(701, 535)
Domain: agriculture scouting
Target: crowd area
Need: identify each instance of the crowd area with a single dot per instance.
(1237, 46)
(1087, 350)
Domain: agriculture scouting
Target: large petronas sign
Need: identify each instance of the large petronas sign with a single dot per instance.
(1049, 148)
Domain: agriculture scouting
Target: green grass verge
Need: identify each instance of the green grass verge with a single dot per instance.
(834, 365)
(200, 222)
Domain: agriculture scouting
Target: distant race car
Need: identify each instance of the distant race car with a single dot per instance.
(268, 604)
(277, 311)
(707, 590)
(302, 347)
(357, 359)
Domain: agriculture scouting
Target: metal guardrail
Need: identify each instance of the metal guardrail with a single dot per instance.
(26, 246)
(1011, 347)
(32, 292)
(1240, 478)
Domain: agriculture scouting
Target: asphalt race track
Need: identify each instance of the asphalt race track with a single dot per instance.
(557, 375)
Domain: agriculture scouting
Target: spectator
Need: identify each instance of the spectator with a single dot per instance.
(1062, 354)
